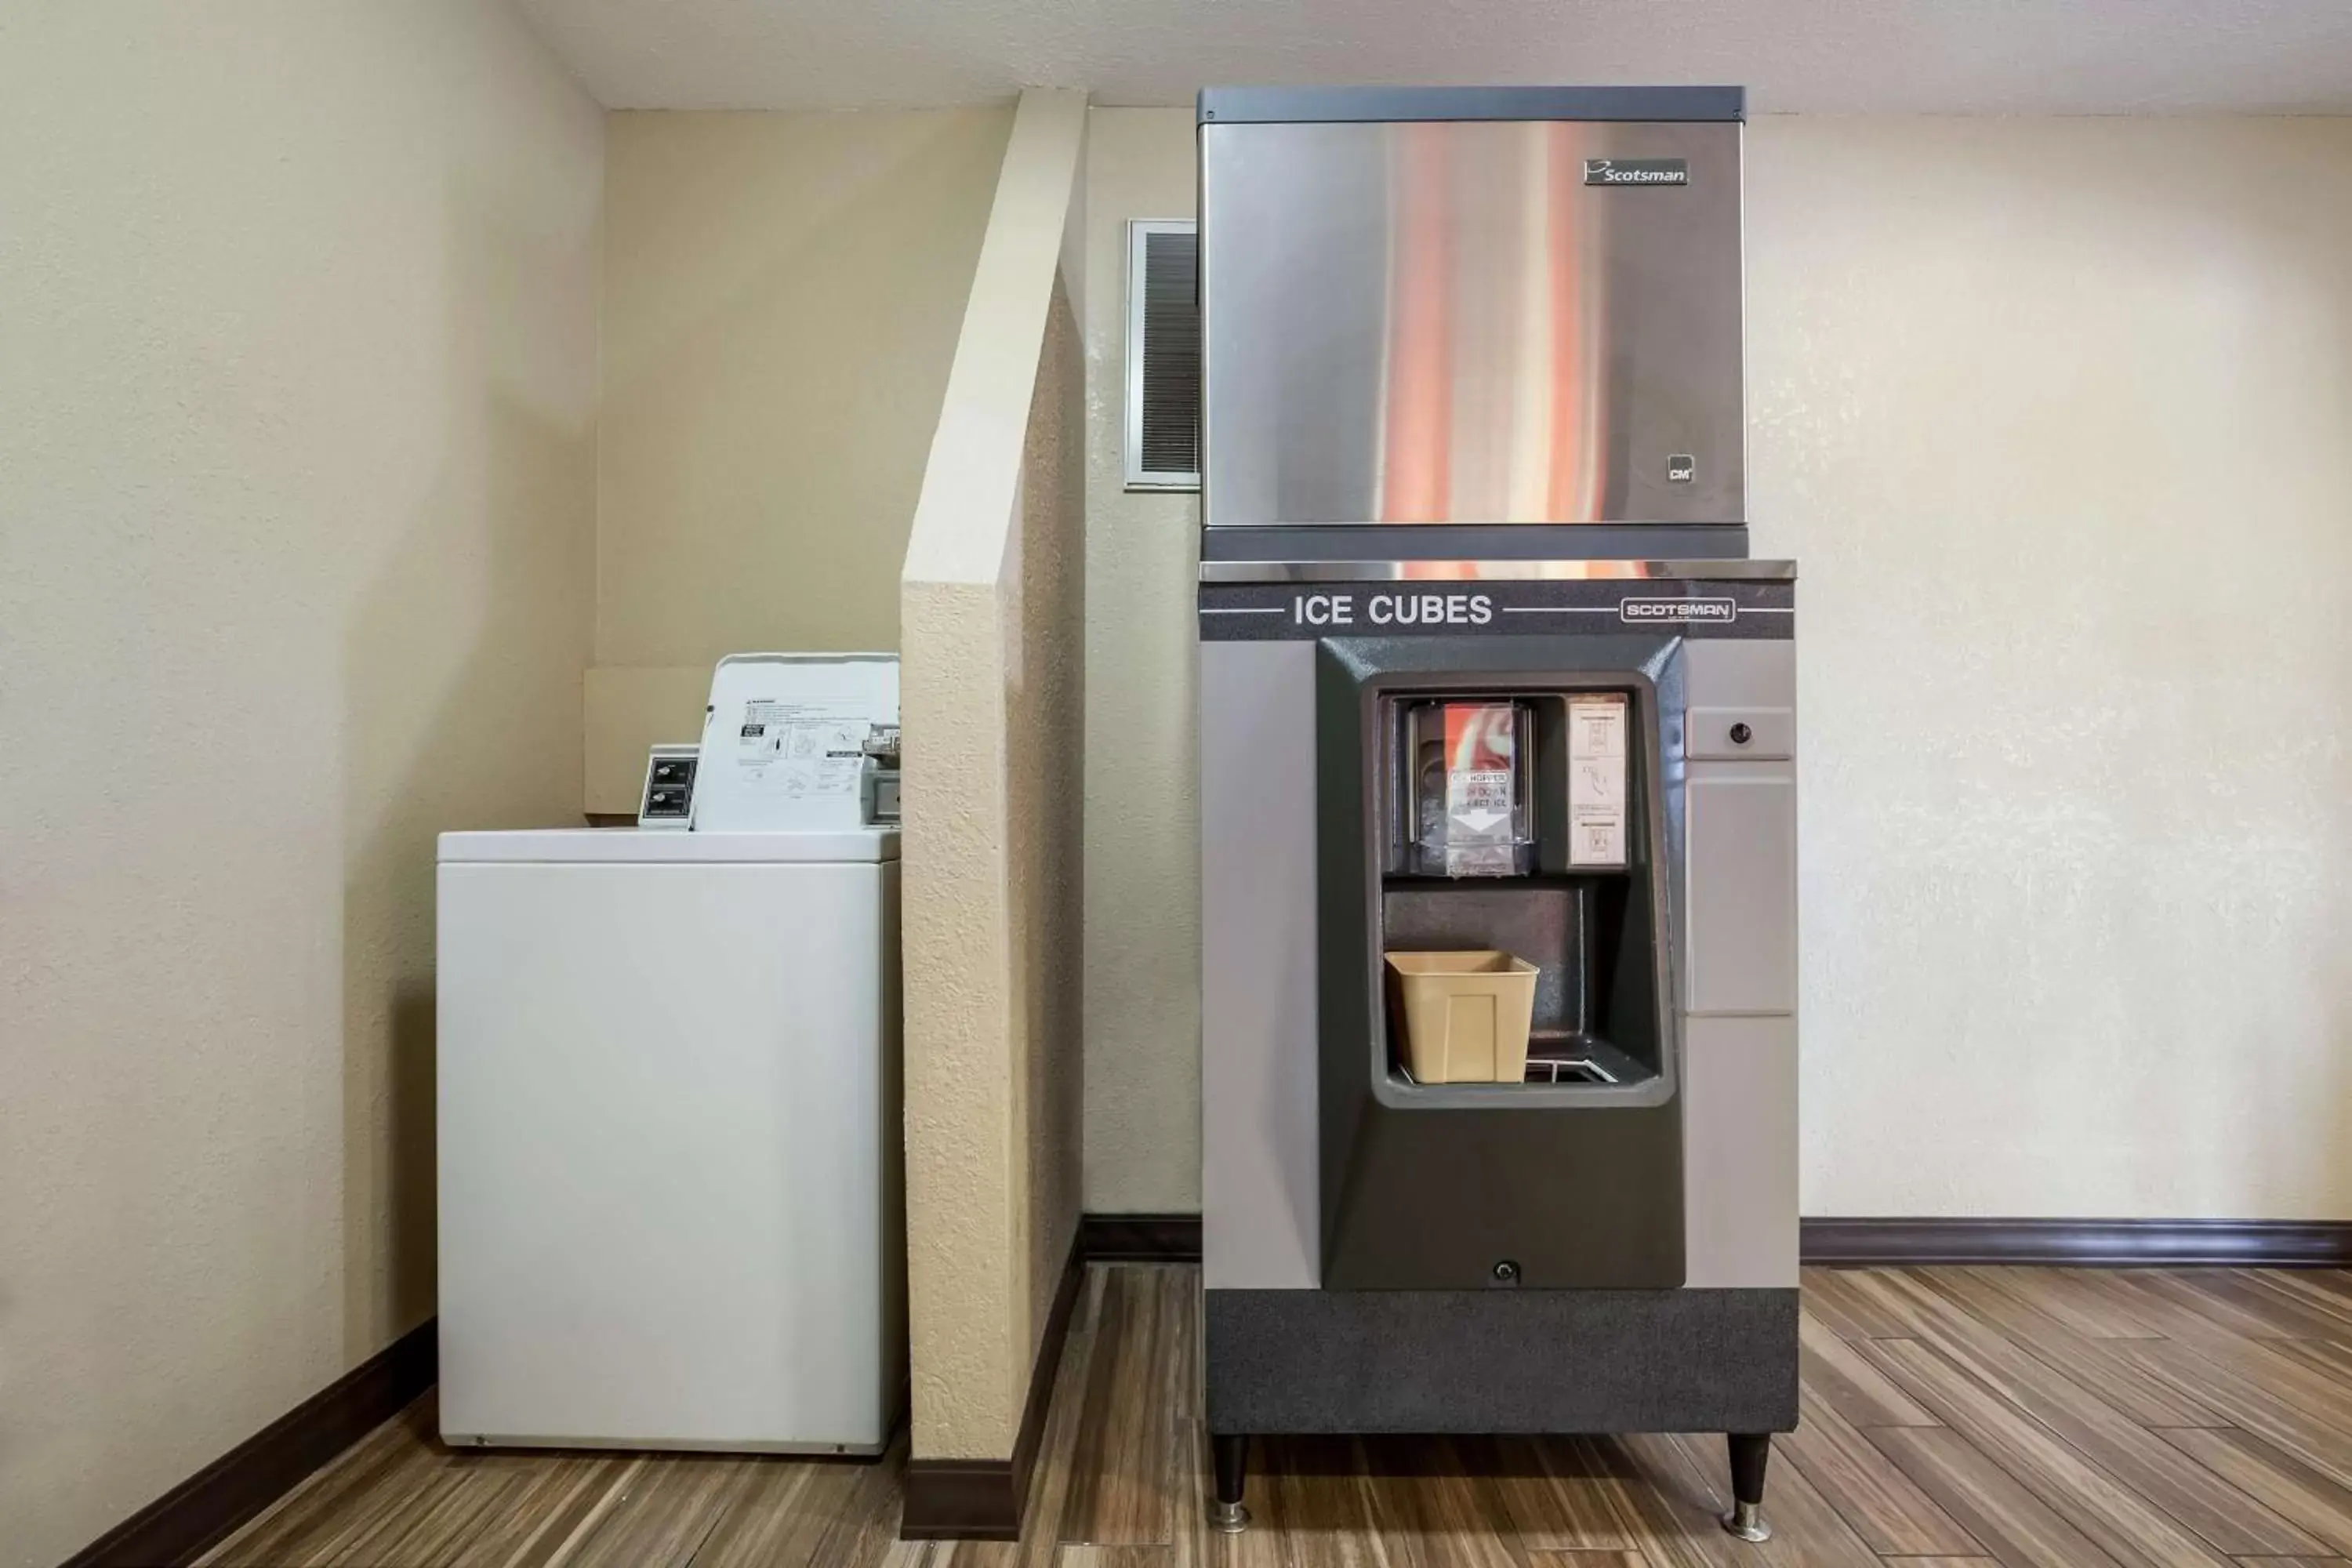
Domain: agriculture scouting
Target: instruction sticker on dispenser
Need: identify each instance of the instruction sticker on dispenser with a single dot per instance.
(1481, 789)
(803, 751)
(1596, 779)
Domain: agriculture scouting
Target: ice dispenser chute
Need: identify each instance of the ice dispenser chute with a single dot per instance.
(1469, 787)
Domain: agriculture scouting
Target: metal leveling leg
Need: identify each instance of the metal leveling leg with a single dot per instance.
(1749, 1450)
(1231, 1455)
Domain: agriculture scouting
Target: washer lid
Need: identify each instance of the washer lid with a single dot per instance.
(630, 847)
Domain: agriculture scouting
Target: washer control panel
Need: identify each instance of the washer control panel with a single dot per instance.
(669, 797)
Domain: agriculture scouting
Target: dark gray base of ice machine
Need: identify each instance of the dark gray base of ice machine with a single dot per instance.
(1501, 1361)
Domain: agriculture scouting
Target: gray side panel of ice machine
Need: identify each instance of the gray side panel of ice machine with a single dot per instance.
(1740, 975)
(1259, 1191)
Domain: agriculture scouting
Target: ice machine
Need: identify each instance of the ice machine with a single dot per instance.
(1498, 780)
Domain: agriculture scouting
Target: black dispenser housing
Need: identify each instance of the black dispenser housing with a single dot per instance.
(1574, 1176)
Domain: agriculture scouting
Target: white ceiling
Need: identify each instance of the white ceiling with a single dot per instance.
(1965, 57)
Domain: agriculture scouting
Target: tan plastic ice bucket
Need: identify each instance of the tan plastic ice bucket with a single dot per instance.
(1466, 1014)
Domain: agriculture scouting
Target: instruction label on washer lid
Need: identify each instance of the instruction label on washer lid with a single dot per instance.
(800, 751)
(1596, 779)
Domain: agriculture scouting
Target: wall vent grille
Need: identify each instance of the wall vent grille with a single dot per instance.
(1163, 357)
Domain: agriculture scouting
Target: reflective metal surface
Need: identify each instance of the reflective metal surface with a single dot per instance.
(1495, 570)
(1290, 104)
(1479, 542)
(1441, 321)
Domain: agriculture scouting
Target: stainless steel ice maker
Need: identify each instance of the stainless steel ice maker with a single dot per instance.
(1472, 437)
(1481, 314)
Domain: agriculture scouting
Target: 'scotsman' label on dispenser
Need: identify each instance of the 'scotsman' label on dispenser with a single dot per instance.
(1596, 779)
(1650, 612)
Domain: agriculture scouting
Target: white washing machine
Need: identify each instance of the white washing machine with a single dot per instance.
(670, 1152)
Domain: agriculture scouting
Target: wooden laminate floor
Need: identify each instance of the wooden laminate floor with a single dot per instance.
(1953, 1419)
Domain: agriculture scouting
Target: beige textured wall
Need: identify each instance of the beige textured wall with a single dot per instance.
(1143, 824)
(2058, 416)
(1045, 720)
(966, 1293)
(2054, 415)
(630, 707)
(298, 371)
(992, 694)
(782, 293)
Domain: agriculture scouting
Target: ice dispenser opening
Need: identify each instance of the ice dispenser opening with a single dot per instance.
(1469, 785)
(1517, 835)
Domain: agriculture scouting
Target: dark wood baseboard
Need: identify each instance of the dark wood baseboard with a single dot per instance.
(1141, 1238)
(2079, 1243)
(981, 1499)
(2082, 1243)
(188, 1520)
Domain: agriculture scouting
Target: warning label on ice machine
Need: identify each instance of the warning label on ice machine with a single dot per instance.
(1481, 796)
(1596, 779)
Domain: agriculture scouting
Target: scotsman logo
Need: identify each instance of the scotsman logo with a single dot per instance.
(1714, 611)
(1636, 171)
